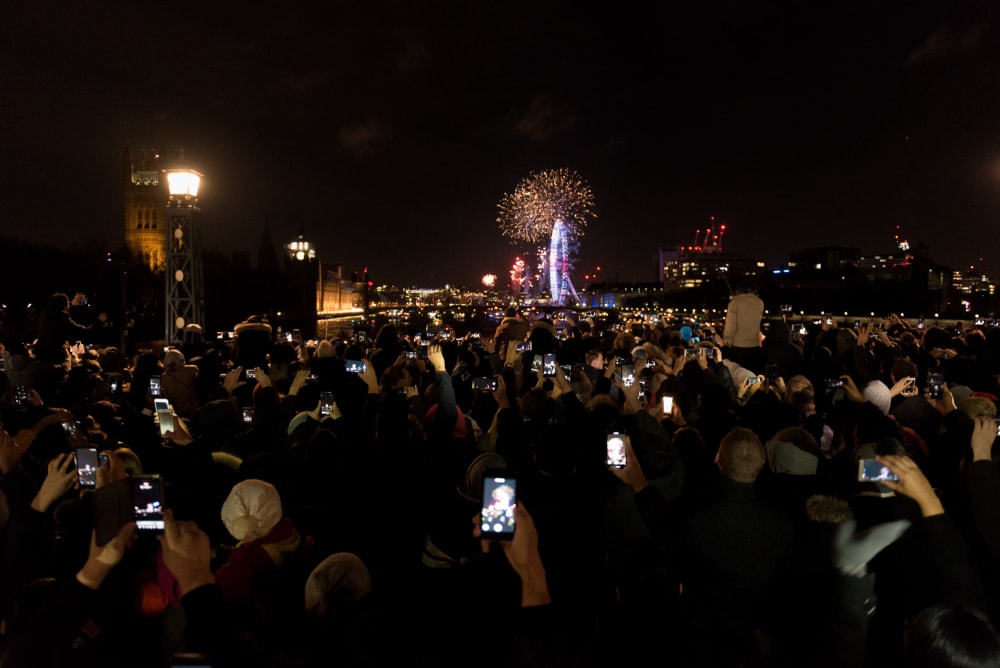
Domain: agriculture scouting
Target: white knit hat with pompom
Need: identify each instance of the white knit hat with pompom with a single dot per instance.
(252, 509)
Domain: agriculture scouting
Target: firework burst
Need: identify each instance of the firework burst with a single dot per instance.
(529, 213)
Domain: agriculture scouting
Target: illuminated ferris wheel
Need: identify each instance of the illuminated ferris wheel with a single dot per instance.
(560, 264)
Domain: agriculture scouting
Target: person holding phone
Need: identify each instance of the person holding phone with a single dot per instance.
(56, 328)
(512, 328)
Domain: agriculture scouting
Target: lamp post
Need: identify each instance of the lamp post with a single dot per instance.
(183, 279)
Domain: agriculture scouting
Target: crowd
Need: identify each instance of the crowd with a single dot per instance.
(673, 503)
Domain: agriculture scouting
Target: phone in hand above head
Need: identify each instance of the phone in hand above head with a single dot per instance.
(499, 499)
(617, 455)
(87, 463)
(147, 502)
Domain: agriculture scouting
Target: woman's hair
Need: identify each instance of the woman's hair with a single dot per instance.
(951, 636)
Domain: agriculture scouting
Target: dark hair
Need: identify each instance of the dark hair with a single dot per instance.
(952, 636)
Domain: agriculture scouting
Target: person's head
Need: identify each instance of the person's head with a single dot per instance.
(741, 455)
(252, 510)
(511, 312)
(595, 359)
(335, 587)
(746, 285)
(951, 636)
(58, 301)
(133, 466)
(903, 368)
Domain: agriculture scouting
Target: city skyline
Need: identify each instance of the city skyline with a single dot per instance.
(389, 133)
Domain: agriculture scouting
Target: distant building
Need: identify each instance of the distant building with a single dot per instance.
(336, 295)
(687, 267)
(824, 258)
(145, 194)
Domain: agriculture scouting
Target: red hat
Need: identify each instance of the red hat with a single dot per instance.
(457, 432)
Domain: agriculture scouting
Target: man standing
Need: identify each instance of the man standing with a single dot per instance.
(742, 329)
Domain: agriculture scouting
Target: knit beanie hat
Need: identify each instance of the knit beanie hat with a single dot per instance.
(252, 509)
(879, 395)
(337, 584)
(173, 359)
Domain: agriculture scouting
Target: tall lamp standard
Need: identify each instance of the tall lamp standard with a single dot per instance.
(183, 279)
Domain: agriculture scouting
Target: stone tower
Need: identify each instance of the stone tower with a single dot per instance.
(145, 198)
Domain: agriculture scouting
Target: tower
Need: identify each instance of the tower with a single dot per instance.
(145, 192)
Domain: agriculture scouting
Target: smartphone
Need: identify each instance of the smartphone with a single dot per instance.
(834, 383)
(872, 469)
(87, 463)
(154, 386)
(803, 331)
(628, 374)
(829, 321)
(248, 415)
(935, 384)
(147, 502)
(114, 382)
(753, 380)
(786, 308)
(251, 374)
(161, 405)
(411, 354)
(549, 364)
(297, 335)
(355, 366)
(499, 499)
(690, 353)
(484, 384)
(920, 323)
(523, 346)
(166, 420)
(617, 456)
(422, 352)
(668, 404)
(997, 420)
(771, 372)
(537, 362)
(325, 403)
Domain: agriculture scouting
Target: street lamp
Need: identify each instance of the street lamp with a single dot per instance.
(184, 293)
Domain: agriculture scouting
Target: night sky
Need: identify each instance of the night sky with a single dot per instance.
(389, 131)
